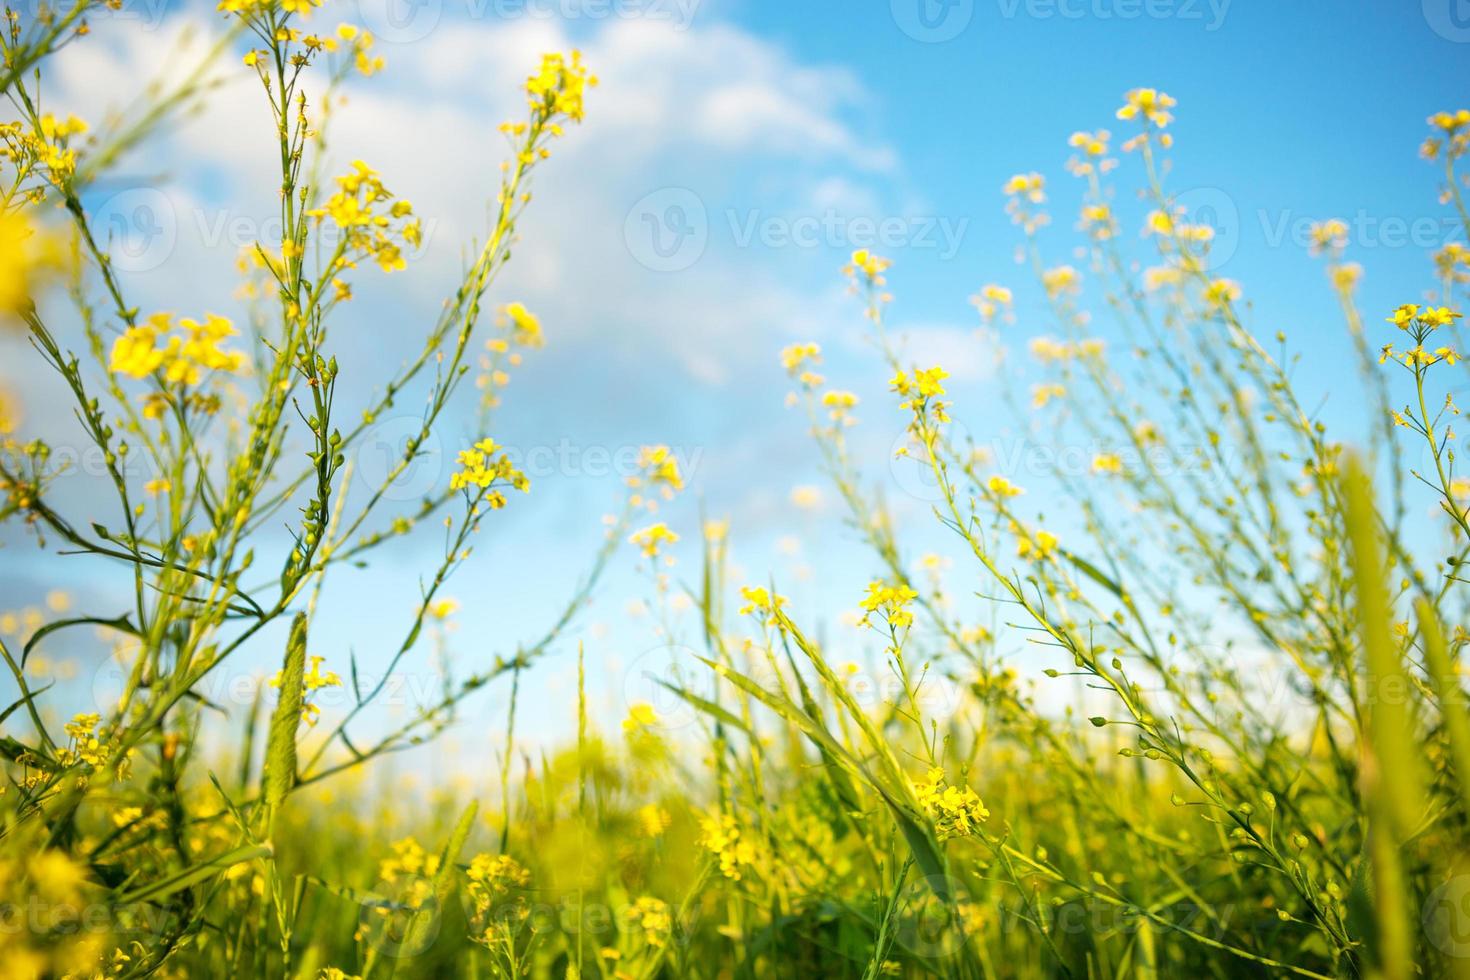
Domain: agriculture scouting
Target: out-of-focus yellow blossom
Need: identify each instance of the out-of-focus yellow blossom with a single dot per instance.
(722, 837)
(28, 257)
(1003, 488)
(1453, 263)
(408, 860)
(796, 357)
(806, 497)
(1031, 187)
(868, 266)
(1059, 280)
(1452, 136)
(839, 405)
(1097, 220)
(10, 415)
(1222, 292)
(1043, 394)
(442, 609)
(1039, 546)
(1151, 107)
(652, 917)
(527, 325)
(1347, 276)
(652, 538)
(653, 820)
(992, 299)
(1107, 463)
(661, 468)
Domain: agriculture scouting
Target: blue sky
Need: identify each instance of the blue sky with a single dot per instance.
(757, 120)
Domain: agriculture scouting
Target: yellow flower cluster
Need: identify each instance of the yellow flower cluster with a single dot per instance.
(760, 600)
(480, 467)
(955, 810)
(357, 209)
(409, 864)
(525, 324)
(1037, 547)
(991, 299)
(182, 353)
(867, 266)
(1151, 107)
(1452, 138)
(1453, 263)
(661, 468)
(1003, 488)
(348, 38)
(891, 602)
(650, 539)
(1030, 186)
(1043, 395)
(796, 357)
(920, 388)
(1419, 322)
(1094, 149)
(1222, 292)
(246, 7)
(1060, 280)
(1097, 221)
(653, 917)
(723, 838)
(492, 876)
(1048, 350)
(559, 87)
(28, 256)
(839, 405)
(86, 746)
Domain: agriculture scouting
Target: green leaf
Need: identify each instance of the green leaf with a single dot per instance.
(280, 746)
(120, 623)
